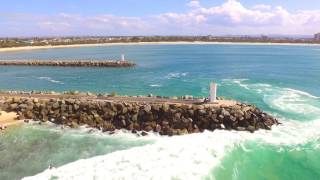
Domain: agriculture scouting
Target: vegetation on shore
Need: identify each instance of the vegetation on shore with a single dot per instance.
(54, 41)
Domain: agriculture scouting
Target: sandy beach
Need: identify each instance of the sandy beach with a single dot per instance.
(26, 48)
(8, 119)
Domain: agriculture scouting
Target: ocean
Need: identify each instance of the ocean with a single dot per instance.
(282, 80)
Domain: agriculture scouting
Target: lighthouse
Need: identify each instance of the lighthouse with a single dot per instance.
(122, 57)
(213, 92)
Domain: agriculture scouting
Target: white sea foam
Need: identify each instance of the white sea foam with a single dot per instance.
(236, 81)
(293, 102)
(85, 131)
(302, 93)
(155, 85)
(287, 100)
(194, 156)
(176, 75)
(184, 157)
(50, 80)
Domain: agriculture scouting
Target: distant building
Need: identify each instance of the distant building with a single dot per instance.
(29, 41)
(45, 41)
(210, 37)
(317, 36)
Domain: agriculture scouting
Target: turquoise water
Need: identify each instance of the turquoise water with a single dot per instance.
(258, 161)
(30, 150)
(282, 80)
(169, 69)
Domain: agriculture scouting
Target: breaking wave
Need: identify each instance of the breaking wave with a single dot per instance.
(184, 157)
(50, 80)
(155, 85)
(194, 156)
(176, 75)
(287, 100)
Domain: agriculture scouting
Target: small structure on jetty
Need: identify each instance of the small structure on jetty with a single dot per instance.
(68, 63)
(213, 92)
(122, 57)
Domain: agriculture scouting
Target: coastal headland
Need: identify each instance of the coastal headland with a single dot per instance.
(68, 63)
(166, 116)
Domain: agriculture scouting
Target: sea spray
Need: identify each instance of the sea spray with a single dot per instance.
(288, 102)
(50, 145)
(200, 155)
(189, 156)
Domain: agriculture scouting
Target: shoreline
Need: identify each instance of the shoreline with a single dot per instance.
(28, 48)
(8, 119)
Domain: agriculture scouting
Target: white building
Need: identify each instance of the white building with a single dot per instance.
(213, 92)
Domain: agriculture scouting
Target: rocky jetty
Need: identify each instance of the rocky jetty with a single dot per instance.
(164, 118)
(67, 63)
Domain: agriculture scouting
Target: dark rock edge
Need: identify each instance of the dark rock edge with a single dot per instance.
(164, 118)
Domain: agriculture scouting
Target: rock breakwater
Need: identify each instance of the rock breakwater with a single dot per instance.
(164, 118)
(67, 63)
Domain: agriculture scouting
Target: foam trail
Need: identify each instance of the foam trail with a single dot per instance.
(50, 80)
(190, 156)
(182, 157)
(293, 101)
(302, 93)
(236, 81)
(176, 75)
(287, 100)
(155, 85)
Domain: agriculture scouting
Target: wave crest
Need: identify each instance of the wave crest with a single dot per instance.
(287, 100)
(184, 157)
(176, 75)
(50, 80)
(194, 156)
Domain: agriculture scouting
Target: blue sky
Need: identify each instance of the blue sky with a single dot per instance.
(158, 17)
(133, 7)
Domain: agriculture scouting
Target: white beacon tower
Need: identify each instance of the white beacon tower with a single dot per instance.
(213, 92)
(122, 57)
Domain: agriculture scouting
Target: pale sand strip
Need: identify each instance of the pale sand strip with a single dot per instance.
(26, 48)
(8, 119)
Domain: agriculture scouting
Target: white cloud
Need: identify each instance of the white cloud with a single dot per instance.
(97, 25)
(55, 26)
(194, 4)
(262, 7)
(231, 17)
